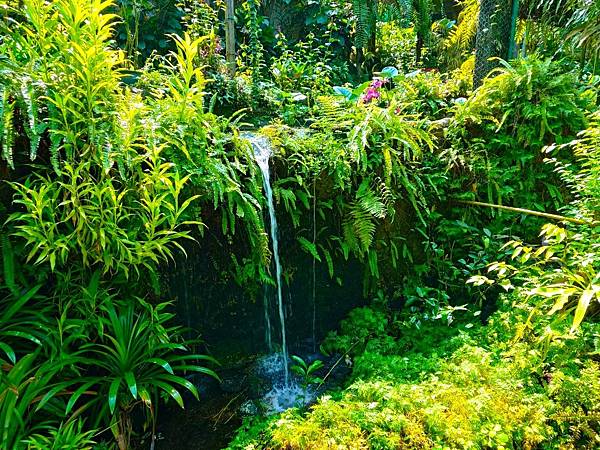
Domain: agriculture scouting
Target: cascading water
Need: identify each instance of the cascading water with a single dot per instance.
(262, 154)
(267, 319)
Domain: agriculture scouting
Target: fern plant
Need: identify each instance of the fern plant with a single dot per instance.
(562, 274)
(462, 37)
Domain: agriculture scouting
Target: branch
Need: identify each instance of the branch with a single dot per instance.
(529, 212)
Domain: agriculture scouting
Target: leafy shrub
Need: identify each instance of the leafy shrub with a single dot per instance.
(397, 46)
(505, 124)
(361, 324)
(68, 435)
(469, 403)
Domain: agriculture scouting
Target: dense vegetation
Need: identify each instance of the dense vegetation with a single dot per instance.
(471, 211)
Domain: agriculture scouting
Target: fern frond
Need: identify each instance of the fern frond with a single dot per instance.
(328, 260)
(33, 126)
(369, 202)
(366, 12)
(333, 114)
(8, 130)
(359, 228)
(399, 10)
(309, 247)
(462, 36)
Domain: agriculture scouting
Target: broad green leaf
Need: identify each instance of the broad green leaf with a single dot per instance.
(582, 306)
(113, 392)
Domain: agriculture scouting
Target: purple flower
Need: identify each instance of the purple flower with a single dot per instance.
(372, 92)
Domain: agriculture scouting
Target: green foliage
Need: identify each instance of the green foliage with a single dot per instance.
(28, 390)
(539, 93)
(506, 123)
(474, 388)
(146, 25)
(562, 274)
(396, 46)
(462, 37)
(91, 217)
(366, 21)
(307, 371)
(104, 205)
(137, 357)
(255, 434)
(24, 326)
(68, 435)
(361, 325)
(468, 403)
(579, 22)
(130, 169)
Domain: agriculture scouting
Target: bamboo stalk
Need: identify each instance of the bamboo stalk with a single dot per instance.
(528, 212)
(230, 37)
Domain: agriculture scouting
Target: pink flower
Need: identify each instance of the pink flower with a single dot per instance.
(371, 94)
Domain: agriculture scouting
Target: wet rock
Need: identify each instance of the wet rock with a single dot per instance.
(249, 408)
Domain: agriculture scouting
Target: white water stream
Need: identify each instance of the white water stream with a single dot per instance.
(262, 154)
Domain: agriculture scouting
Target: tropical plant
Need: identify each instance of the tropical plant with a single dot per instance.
(580, 20)
(307, 371)
(368, 13)
(29, 403)
(509, 138)
(563, 273)
(462, 36)
(138, 356)
(145, 26)
(24, 326)
(68, 435)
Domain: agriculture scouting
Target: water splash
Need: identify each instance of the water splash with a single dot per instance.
(262, 154)
(281, 396)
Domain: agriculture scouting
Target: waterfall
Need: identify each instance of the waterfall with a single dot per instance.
(267, 318)
(262, 154)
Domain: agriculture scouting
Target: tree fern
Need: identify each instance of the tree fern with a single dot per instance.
(365, 12)
(400, 10)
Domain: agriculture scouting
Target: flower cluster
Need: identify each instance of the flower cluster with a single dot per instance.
(372, 92)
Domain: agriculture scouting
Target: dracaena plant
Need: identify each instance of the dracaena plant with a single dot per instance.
(101, 220)
(29, 401)
(24, 324)
(137, 357)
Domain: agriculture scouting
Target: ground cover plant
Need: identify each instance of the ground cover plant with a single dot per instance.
(426, 222)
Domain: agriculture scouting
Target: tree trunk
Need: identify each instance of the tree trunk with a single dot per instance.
(419, 48)
(230, 37)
